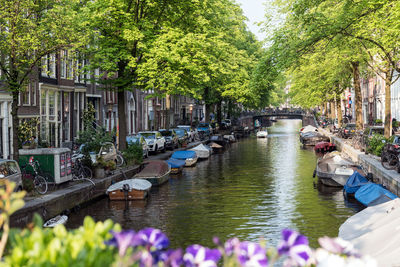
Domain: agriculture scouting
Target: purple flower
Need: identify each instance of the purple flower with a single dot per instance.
(198, 256)
(173, 258)
(231, 245)
(122, 240)
(251, 254)
(152, 239)
(337, 246)
(295, 246)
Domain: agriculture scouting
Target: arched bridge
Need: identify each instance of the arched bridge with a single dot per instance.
(269, 115)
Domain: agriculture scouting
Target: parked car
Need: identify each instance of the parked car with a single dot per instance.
(171, 138)
(192, 132)
(155, 141)
(228, 122)
(205, 127)
(10, 170)
(182, 134)
(348, 130)
(139, 139)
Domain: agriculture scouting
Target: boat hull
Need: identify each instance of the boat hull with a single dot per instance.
(190, 162)
(156, 181)
(328, 180)
(128, 195)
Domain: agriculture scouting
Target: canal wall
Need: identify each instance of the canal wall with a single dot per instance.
(76, 194)
(370, 163)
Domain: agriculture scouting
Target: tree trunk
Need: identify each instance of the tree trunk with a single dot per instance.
(208, 106)
(325, 109)
(15, 123)
(219, 112)
(388, 112)
(333, 111)
(167, 110)
(121, 119)
(339, 111)
(358, 97)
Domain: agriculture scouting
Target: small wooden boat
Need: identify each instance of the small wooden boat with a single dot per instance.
(323, 147)
(130, 189)
(59, 219)
(312, 138)
(190, 157)
(176, 165)
(230, 138)
(333, 170)
(219, 139)
(155, 171)
(216, 148)
(372, 194)
(202, 151)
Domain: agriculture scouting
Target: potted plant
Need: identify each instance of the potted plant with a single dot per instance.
(99, 166)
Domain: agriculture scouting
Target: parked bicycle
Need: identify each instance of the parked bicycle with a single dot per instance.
(79, 170)
(358, 140)
(39, 181)
(390, 155)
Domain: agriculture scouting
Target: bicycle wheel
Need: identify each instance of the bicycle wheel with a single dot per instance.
(389, 161)
(87, 172)
(120, 160)
(40, 184)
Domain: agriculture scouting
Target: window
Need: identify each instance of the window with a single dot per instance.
(26, 95)
(63, 64)
(49, 66)
(52, 100)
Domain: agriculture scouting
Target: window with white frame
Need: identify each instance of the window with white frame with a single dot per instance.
(26, 95)
(63, 64)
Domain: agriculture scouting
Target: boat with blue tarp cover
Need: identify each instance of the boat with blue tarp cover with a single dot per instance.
(176, 165)
(373, 194)
(190, 157)
(355, 181)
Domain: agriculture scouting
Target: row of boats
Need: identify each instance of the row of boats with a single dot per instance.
(333, 170)
(157, 172)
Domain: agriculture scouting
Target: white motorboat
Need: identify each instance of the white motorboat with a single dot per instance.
(59, 219)
(333, 170)
(202, 151)
(262, 133)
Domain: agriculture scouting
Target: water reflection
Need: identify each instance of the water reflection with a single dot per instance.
(256, 188)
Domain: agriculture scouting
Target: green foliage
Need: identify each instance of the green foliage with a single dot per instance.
(26, 130)
(92, 138)
(133, 154)
(376, 144)
(378, 121)
(58, 246)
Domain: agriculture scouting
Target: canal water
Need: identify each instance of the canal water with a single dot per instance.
(253, 190)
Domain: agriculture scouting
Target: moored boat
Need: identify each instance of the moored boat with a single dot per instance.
(155, 171)
(202, 151)
(219, 139)
(373, 231)
(262, 133)
(216, 148)
(312, 138)
(324, 147)
(176, 165)
(130, 189)
(59, 219)
(333, 170)
(372, 194)
(355, 181)
(190, 157)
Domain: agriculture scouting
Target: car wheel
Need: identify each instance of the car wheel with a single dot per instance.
(146, 155)
(155, 149)
(163, 150)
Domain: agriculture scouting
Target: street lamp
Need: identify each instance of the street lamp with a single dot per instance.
(191, 114)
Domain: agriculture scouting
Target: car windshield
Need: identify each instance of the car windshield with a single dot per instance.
(185, 127)
(133, 139)
(166, 133)
(203, 125)
(180, 132)
(148, 135)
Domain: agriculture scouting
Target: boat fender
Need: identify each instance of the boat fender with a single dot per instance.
(314, 173)
(125, 188)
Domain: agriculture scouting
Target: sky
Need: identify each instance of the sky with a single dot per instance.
(254, 10)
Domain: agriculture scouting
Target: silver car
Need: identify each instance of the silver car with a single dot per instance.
(10, 170)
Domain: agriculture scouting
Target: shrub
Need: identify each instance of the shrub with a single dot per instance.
(133, 154)
(376, 144)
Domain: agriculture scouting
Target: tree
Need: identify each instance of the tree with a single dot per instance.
(30, 30)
